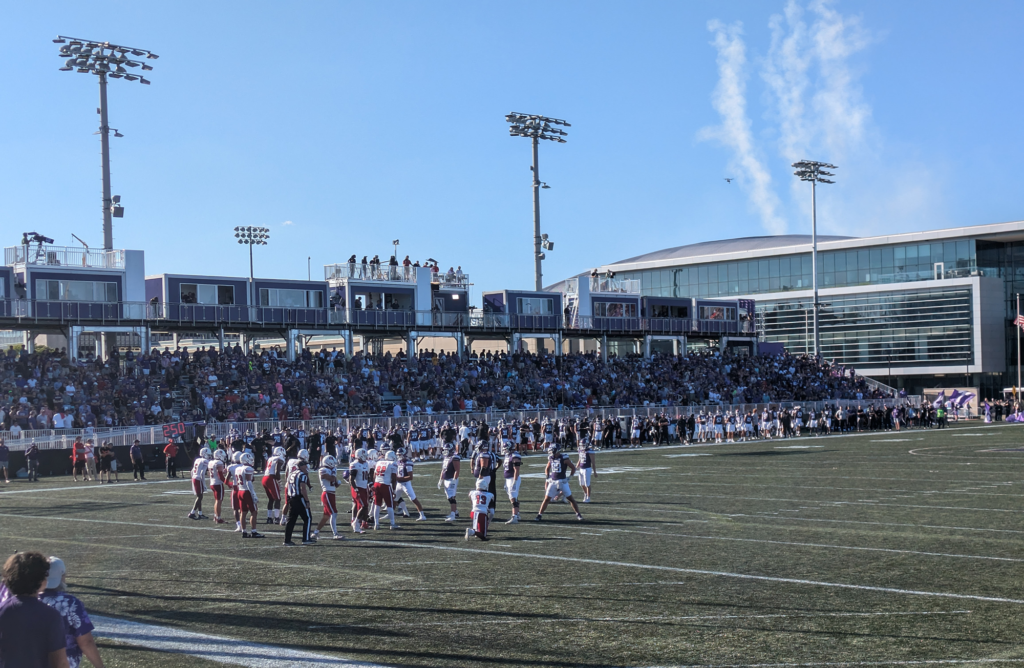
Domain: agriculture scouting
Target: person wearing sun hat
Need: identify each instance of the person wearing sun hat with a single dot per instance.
(77, 625)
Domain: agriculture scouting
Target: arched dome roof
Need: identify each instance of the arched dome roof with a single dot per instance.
(741, 245)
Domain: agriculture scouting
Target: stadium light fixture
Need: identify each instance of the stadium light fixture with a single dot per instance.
(536, 128)
(102, 59)
(250, 235)
(815, 172)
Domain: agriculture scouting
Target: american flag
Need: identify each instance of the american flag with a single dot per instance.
(1019, 321)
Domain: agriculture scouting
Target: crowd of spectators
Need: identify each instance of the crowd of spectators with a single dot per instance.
(47, 390)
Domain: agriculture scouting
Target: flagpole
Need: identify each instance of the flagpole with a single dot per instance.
(1018, 346)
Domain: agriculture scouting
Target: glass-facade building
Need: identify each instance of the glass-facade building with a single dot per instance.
(924, 309)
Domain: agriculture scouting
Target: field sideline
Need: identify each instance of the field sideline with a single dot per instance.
(872, 549)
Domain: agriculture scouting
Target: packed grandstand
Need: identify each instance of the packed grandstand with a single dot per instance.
(47, 390)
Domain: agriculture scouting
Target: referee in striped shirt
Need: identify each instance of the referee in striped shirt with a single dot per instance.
(297, 490)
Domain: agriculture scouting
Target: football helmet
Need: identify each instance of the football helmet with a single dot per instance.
(361, 454)
(236, 457)
(372, 455)
(449, 448)
(330, 462)
(482, 484)
(508, 449)
(279, 451)
(400, 452)
(246, 459)
(205, 453)
(553, 449)
(389, 456)
(303, 454)
(220, 456)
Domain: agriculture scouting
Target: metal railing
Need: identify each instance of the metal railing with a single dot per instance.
(623, 285)
(369, 272)
(63, 256)
(153, 435)
(452, 280)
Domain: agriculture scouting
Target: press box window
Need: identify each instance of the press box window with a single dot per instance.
(76, 291)
(535, 306)
(205, 293)
(717, 313)
(291, 298)
(614, 310)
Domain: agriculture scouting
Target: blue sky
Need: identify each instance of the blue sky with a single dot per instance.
(344, 125)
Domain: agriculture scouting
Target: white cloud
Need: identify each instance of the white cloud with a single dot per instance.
(729, 100)
(815, 109)
(287, 222)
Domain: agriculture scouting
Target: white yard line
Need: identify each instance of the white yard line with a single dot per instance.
(90, 486)
(696, 571)
(214, 648)
(600, 562)
(818, 545)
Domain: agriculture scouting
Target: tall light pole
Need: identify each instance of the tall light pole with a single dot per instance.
(104, 60)
(252, 236)
(809, 170)
(536, 128)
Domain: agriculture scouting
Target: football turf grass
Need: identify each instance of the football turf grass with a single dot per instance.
(877, 548)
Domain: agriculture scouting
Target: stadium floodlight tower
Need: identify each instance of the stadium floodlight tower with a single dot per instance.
(809, 170)
(536, 128)
(252, 236)
(105, 60)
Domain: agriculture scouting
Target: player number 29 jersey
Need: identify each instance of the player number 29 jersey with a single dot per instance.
(328, 478)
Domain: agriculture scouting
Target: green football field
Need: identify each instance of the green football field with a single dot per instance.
(884, 548)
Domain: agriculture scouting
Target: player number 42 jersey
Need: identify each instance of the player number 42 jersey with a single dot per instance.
(382, 471)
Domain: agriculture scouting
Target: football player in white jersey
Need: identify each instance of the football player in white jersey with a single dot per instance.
(272, 484)
(480, 516)
(385, 477)
(634, 433)
(231, 481)
(449, 480)
(329, 484)
(358, 476)
(218, 474)
(404, 487)
(199, 470)
(246, 491)
(586, 467)
(511, 464)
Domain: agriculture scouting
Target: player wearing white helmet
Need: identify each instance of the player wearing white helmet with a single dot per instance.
(404, 470)
(218, 474)
(231, 481)
(511, 465)
(199, 469)
(272, 484)
(480, 517)
(329, 484)
(385, 477)
(449, 480)
(558, 469)
(246, 491)
(358, 477)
